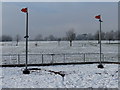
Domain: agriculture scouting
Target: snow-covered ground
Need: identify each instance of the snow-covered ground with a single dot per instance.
(53, 47)
(76, 76)
(110, 51)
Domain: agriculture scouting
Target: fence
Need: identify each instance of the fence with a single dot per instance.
(11, 59)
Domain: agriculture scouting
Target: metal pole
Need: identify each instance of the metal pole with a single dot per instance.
(26, 40)
(100, 40)
(26, 71)
(100, 65)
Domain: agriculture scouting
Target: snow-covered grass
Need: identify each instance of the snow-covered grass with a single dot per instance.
(110, 51)
(53, 47)
(76, 76)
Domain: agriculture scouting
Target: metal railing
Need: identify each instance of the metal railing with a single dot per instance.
(11, 59)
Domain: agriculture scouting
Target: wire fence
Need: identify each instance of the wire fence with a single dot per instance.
(11, 59)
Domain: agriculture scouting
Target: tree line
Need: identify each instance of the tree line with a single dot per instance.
(70, 36)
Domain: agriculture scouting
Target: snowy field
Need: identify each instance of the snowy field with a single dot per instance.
(53, 47)
(110, 51)
(76, 76)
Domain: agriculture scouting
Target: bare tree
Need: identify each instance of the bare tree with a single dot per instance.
(109, 36)
(118, 35)
(38, 37)
(96, 36)
(17, 38)
(52, 38)
(70, 35)
(84, 36)
(6, 38)
(90, 36)
(103, 35)
(59, 39)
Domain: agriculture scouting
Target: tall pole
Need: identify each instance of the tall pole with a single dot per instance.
(100, 65)
(26, 71)
(26, 39)
(100, 40)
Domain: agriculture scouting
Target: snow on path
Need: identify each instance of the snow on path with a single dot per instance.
(76, 76)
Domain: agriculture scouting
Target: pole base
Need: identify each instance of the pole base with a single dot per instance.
(100, 66)
(26, 71)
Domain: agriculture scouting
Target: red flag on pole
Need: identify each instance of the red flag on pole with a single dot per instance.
(24, 10)
(97, 17)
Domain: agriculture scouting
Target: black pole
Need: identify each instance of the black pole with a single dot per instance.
(26, 39)
(100, 40)
(100, 65)
(26, 71)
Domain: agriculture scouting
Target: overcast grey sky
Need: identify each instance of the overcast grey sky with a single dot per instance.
(48, 18)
